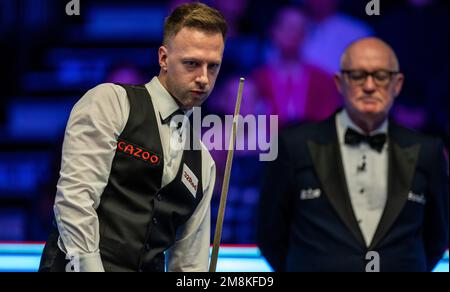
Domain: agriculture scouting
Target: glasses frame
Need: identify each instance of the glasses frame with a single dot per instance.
(372, 74)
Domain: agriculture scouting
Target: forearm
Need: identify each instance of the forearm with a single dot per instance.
(88, 151)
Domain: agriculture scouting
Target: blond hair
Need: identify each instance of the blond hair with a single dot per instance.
(194, 15)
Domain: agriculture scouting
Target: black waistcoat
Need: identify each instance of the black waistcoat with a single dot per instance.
(138, 218)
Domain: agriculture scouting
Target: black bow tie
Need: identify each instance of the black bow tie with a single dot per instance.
(376, 142)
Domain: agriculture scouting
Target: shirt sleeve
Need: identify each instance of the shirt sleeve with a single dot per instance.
(190, 253)
(90, 142)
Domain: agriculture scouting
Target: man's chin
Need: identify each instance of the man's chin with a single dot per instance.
(195, 102)
(370, 109)
(373, 115)
(190, 105)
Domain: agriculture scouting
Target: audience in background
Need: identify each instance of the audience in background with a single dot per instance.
(293, 82)
(243, 192)
(419, 32)
(236, 14)
(125, 73)
(4, 79)
(6, 60)
(294, 89)
(329, 32)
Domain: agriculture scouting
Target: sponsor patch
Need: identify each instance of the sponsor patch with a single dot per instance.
(189, 180)
(138, 152)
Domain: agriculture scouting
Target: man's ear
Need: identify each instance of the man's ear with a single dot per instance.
(338, 81)
(162, 57)
(399, 84)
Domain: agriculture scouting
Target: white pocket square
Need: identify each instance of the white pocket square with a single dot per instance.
(420, 199)
(310, 194)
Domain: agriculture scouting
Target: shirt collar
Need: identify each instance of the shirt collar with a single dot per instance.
(163, 100)
(345, 122)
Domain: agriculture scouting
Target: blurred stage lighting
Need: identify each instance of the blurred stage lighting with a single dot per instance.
(25, 257)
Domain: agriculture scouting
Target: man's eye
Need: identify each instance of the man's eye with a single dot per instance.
(357, 75)
(381, 75)
(191, 64)
(214, 67)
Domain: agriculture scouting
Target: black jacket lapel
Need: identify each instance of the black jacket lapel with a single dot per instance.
(402, 165)
(327, 161)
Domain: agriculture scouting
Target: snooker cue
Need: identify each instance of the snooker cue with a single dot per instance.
(226, 181)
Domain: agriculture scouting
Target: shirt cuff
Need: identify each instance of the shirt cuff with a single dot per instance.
(91, 263)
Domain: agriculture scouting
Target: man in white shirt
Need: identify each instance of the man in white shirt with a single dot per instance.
(357, 184)
(128, 198)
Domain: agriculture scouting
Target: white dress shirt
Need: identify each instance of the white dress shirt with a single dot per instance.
(90, 142)
(366, 172)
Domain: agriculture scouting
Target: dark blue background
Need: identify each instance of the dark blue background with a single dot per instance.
(48, 60)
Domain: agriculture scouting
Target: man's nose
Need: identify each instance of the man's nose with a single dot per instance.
(369, 84)
(202, 78)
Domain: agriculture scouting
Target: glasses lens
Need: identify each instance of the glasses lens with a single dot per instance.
(357, 76)
(382, 76)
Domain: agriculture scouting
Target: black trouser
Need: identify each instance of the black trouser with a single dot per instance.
(54, 260)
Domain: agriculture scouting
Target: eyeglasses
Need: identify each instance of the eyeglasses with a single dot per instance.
(380, 77)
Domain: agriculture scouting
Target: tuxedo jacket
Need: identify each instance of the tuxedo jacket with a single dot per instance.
(321, 233)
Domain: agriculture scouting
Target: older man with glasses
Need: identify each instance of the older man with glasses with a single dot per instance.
(357, 192)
